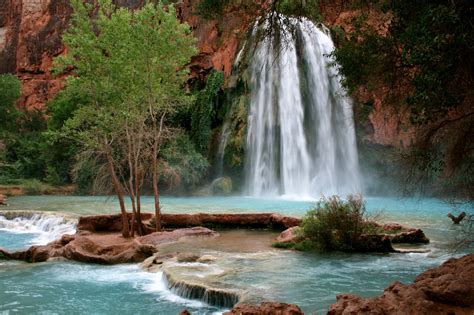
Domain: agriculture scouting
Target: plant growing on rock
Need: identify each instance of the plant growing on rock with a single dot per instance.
(335, 224)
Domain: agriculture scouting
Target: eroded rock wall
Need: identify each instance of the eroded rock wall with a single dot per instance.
(31, 30)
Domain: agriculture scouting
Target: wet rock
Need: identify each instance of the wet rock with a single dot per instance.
(187, 257)
(192, 289)
(266, 308)
(221, 186)
(104, 248)
(241, 220)
(184, 312)
(289, 235)
(402, 234)
(206, 259)
(3, 200)
(412, 236)
(158, 238)
(374, 243)
(447, 289)
(105, 223)
(156, 260)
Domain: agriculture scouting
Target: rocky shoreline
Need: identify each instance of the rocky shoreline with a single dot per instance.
(98, 240)
(446, 289)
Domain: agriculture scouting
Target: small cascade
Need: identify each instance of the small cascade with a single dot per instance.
(46, 227)
(205, 290)
(300, 137)
(219, 172)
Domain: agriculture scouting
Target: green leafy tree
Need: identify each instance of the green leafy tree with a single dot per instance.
(129, 66)
(10, 89)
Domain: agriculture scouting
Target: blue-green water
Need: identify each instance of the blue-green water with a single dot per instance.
(309, 280)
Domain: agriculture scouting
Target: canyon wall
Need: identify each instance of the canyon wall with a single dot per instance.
(31, 30)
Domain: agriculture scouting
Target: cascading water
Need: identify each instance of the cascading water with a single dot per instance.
(300, 138)
(44, 227)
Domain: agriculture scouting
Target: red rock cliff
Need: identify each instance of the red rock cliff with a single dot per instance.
(31, 30)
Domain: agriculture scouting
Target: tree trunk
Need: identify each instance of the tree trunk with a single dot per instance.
(119, 192)
(138, 179)
(156, 194)
(130, 183)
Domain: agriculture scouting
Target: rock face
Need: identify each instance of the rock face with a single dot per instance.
(113, 222)
(266, 308)
(243, 220)
(448, 289)
(104, 248)
(31, 36)
(107, 222)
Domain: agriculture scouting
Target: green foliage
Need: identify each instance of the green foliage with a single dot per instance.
(211, 8)
(205, 111)
(428, 44)
(335, 224)
(182, 164)
(9, 92)
(33, 187)
(299, 8)
(126, 86)
(25, 148)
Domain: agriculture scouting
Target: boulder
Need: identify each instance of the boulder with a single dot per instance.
(266, 308)
(104, 248)
(221, 186)
(447, 289)
(289, 235)
(374, 243)
(402, 234)
(3, 200)
(412, 236)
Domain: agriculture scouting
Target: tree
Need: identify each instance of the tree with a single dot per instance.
(131, 66)
(10, 89)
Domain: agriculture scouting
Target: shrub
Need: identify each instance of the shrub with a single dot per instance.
(33, 187)
(335, 224)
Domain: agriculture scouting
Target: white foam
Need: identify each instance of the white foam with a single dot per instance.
(158, 285)
(45, 227)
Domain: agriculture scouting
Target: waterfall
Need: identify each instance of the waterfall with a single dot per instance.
(46, 227)
(300, 137)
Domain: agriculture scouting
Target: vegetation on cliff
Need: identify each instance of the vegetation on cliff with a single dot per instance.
(423, 55)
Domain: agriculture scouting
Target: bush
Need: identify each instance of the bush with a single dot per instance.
(335, 224)
(33, 187)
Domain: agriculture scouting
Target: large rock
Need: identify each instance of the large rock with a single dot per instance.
(403, 234)
(289, 235)
(266, 308)
(106, 222)
(3, 200)
(242, 220)
(104, 248)
(221, 186)
(447, 289)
